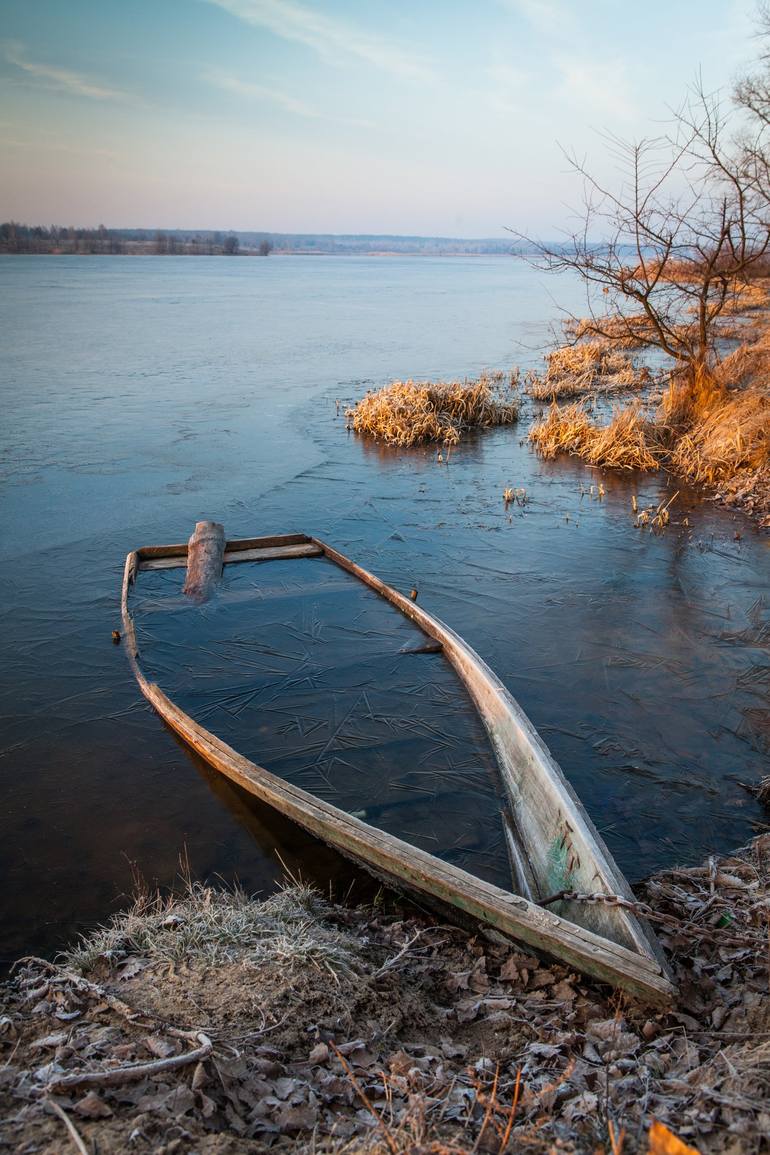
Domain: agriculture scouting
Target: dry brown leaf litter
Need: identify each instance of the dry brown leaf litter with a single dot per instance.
(385, 1034)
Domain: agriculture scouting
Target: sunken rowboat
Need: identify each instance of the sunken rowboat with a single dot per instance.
(550, 845)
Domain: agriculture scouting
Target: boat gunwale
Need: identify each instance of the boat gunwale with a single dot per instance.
(643, 972)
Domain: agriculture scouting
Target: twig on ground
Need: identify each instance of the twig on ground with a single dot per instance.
(118, 1075)
(391, 962)
(365, 1100)
(73, 1132)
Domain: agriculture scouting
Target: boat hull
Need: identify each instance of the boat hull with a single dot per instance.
(551, 834)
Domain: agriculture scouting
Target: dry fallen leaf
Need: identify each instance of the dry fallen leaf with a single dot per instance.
(664, 1142)
(159, 1046)
(581, 1106)
(200, 1077)
(319, 1054)
(92, 1107)
(297, 1118)
(54, 1040)
(132, 967)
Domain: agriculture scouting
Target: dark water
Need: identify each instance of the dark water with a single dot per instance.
(307, 671)
(141, 394)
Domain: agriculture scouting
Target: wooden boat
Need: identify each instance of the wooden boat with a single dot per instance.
(552, 843)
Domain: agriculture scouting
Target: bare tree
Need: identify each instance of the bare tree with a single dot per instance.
(662, 252)
(752, 95)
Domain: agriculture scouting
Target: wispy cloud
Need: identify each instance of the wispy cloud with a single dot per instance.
(599, 87)
(545, 16)
(332, 39)
(280, 99)
(572, 72)
(61, 79)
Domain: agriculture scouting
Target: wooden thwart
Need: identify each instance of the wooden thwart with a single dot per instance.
(236, 555)
(552, 835)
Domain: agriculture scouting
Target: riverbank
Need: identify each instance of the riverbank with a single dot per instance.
(713, 432)
(211, 1022)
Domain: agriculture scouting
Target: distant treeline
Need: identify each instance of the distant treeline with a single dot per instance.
(18, 238)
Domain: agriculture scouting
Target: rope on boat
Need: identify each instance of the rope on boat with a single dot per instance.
(643, 910)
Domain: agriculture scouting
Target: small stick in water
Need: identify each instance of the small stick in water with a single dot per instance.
(205, 558)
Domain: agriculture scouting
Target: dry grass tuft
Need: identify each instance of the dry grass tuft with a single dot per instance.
(656, 517)
(747, 296)
(749, 363)
(565, 430)
(409, 412)
(628, 442)
(703, 431)
(216, 927)
(586, 367)
(731, 435)
(632, 332)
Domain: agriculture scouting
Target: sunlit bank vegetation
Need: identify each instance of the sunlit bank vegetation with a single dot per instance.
(681, 273)
(410, 412)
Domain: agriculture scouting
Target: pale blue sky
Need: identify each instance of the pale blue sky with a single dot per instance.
(394, 116)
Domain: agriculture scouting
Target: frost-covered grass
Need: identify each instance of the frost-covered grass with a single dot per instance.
(208, 926)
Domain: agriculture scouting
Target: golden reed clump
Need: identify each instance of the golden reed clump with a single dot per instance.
(712, 426)
(411, 412)
(586, 367)
(634, 331)
(747, 296)
(628, 442)
(731, 435)
(701, 431)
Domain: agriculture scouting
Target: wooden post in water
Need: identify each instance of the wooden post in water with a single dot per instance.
(205, 558)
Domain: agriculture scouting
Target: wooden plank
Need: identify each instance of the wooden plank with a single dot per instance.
(282, 551)
(173, 562)
(179, 549)
(268, 542)
(236, 555)
(147, 551)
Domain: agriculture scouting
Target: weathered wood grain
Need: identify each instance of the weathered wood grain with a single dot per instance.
(235, 555)
(205, 558)
(559, 837)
